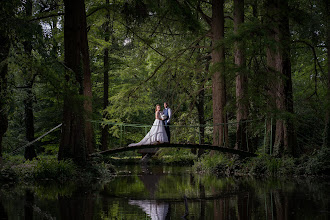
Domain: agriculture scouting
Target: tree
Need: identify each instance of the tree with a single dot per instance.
(29, 153)
(76, 140)
(6, 19)
(220, 132)
(216, 22)
(279, 67)
(241, 79)
(105, 129)
(326, 7)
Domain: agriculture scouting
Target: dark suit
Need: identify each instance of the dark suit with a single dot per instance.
(167, 128)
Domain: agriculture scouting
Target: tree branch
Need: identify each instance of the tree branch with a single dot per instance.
(47, 16)
(144, 41)
(206, 18)
(313, 50)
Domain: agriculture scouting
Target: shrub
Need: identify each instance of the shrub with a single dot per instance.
(54, 169)
(210, 164)
(318, 163)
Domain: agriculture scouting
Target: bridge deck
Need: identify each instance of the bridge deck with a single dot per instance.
(167, 145)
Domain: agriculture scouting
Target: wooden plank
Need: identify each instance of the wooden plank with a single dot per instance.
(167, 145)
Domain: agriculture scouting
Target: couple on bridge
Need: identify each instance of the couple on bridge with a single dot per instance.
(160, 130)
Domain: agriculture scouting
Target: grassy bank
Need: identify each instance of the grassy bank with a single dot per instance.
(317, 163)
(17, 169)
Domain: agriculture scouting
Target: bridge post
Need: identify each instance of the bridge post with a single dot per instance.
(223, 136)
(121, 134)
(246, 135)
(271, 137)
(199, 134)
(265, 136)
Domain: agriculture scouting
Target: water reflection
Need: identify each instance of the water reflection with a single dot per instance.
(160, 192)
(155, 210)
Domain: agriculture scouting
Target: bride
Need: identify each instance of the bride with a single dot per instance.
(157, 133)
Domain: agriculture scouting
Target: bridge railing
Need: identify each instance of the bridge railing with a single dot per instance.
(254, 131)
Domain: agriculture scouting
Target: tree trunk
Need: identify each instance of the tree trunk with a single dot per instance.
(220, 128)
(4, 52)
(105, 129)
(29, 152)
(76, 140)
(326, 142)
(201, 118)
(278, 61)
(88, 108)
(241, 80)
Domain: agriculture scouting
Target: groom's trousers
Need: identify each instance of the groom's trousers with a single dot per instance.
(167, 129)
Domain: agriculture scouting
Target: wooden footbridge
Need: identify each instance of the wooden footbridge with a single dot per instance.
(190, 146)
(185, 136)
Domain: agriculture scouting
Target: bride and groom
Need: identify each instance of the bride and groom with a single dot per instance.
(160, 130)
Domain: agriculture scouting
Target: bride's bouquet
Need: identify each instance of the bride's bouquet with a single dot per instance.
(163, 117)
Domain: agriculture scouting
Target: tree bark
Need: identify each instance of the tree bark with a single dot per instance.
(105, 129)
(279, 66)
(29, 152)
(326, 142)
(87, 85)
(241, 80)
(220, 128)
(4, 53)
(76, 140)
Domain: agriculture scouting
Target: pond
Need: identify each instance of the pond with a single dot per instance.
(169, 192)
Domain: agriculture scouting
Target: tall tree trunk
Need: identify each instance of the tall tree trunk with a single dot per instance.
(241, 80)
(87, 85)
(76, 140)
(327, 118)
(6, 13)
(201, 118)
(4, 52)
(105, 129)
(220, 128)
(278, 61)
(29, 152)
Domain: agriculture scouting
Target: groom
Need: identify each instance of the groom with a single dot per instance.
(168, 113)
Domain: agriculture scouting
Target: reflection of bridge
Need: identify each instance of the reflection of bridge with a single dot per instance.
(190, 146)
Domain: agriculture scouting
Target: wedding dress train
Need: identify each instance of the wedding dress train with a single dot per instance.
(157, 134)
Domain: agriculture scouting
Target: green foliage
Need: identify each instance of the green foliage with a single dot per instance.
(212, 164)
(265, 164)
(176, 156)
(54, 169)
(318, 163)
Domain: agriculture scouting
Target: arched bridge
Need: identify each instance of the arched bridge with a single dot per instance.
(191, 146)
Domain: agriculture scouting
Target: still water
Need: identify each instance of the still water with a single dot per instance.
(169, 193)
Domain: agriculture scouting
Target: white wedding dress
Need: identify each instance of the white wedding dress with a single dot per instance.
(157, 134)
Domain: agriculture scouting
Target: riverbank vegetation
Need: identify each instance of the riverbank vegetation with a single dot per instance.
(85, 76)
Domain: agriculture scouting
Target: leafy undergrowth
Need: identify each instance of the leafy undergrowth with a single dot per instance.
(175, 156)
(265, 165)
(16, 169)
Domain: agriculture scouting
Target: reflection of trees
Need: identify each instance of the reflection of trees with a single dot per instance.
(3, 213)
(79, 206)
(130, 186)
(28, 206)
